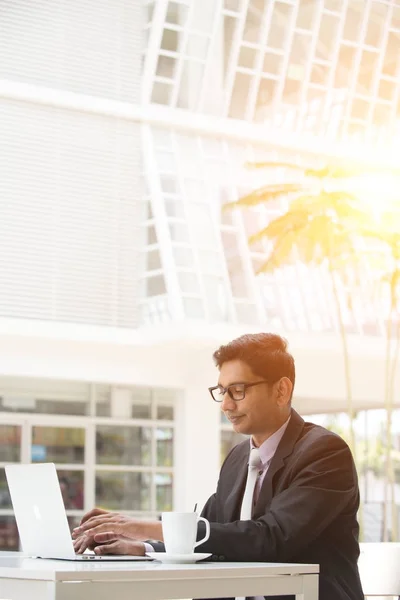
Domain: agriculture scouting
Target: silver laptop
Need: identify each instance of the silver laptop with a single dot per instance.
(40, 514)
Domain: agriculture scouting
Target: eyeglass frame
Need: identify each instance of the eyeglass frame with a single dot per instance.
(225, 390)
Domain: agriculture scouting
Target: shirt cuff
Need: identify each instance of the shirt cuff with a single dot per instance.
(148, 547)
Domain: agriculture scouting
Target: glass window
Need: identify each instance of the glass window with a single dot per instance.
(386, 90)
(58, 444)
(5, 500)
(353, 20)
(359, 109)
(123, 490)
(345, 66)
(33, 403)
(176, 13)
(123, 445)
(306, 15)
(189, 282)
(248, 57)
(392, 55)
(10, 443)
(163, 483)
(183, 256)
(376, 24)
(137, 405)
(327, 37)
(246, 313)
(335, 5)
(155, 286)
(165, 412)
(169, 184)
(170, 40)
(280, 25)
(165, 446)
(366, 75)
(141, 404)
(9, 539)
(210, 262)
(174, 208)
(193, 308)
(166, 66)
(151, 235)
(72, 489)
(229, 439)
(153, 260)
(229, 27)
(161, 93)
(239, 95)
(179, 232)
(191, 84)
(320, 74)
(272, 63)
(197, 46)
(73, 522)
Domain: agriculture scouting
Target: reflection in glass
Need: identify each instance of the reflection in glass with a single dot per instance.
(73, 522)
(58, 444)
(9, 539)
(165, 446)
(71, 484)
(165, 413)
(123, 491)
(44, 405)
(5, 500)
(10, 443)
(123, 445)
(163, 483)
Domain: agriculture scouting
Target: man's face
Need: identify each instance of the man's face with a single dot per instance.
(263, 409)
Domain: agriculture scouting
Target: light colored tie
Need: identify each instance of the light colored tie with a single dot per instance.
(252, 474)
(246, 511)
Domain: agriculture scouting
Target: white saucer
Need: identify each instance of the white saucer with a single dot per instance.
(178, 558)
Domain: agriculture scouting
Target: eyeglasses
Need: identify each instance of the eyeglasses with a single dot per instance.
(236, 391)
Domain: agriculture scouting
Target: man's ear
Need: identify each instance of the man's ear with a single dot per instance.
(284, 391)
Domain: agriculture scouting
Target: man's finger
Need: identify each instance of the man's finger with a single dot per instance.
(91, 523)
(114, 548)
(93, 513)
(106, 536)
(104, 528)
(80, 547)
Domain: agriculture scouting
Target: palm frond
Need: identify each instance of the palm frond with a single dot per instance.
(281, 226)
(341, 204)
(264, 194)
(281, 254)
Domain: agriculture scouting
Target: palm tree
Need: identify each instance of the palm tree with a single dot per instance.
(320, 228)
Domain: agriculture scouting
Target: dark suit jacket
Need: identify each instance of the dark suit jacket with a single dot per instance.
(306, 511)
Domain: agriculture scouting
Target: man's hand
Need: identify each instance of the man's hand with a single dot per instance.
(94, 513)
(109, 543)
(98, 521)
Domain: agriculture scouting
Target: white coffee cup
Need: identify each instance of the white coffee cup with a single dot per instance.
(180, 531)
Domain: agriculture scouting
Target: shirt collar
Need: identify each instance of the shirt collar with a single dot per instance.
(268, 448)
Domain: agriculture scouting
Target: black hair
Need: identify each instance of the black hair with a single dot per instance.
(265, 353)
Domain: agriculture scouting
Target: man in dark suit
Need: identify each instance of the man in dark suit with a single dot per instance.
(306, 497)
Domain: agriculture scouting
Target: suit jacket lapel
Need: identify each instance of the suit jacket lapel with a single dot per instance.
(284, 449)
(238, 469)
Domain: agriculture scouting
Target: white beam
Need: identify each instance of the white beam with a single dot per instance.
(204, 125)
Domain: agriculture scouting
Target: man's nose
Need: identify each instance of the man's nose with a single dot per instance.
(228, 403)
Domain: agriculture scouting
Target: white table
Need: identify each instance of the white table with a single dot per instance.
(35, 579)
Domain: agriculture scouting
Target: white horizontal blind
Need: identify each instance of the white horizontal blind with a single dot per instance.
(70, 180)
(85, 46)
